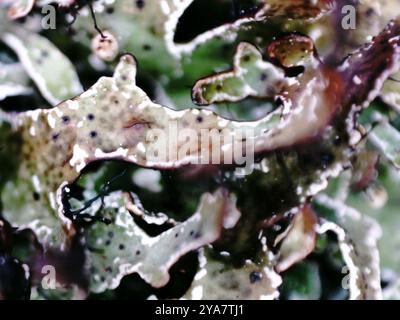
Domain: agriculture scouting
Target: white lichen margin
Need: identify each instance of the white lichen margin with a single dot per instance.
(357, 236)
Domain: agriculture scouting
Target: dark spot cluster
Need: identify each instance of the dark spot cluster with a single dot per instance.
(140, 4)
(147, 47)
(295, 71)
(66, 119)
(255, 276)
(263, 76)
(195, 234)
(55, 136)
(108, 269)
(110, 10)
(43, 55)
(246, 58)
(110, 235)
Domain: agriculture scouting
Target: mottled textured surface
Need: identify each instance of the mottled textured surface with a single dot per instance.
(90, 193)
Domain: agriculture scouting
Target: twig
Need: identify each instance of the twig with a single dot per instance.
(92, 13)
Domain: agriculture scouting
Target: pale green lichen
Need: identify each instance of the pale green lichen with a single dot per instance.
(251, 76)
(60, 142)
(13, 80)
(80, 129)
(386, 139)
(391, 92)
(358, 237)
(253, 281)
(112, 120)
(135, 251)
(51, 71)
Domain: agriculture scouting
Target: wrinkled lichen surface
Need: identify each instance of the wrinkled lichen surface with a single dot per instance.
(91, 209)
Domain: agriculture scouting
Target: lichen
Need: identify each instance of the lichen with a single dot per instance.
(358, 247)
(251, 282)
(135, 251)
(108, 178)
(52, 72)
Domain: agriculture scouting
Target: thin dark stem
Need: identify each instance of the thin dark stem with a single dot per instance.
(92, 13)
(79, 213)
